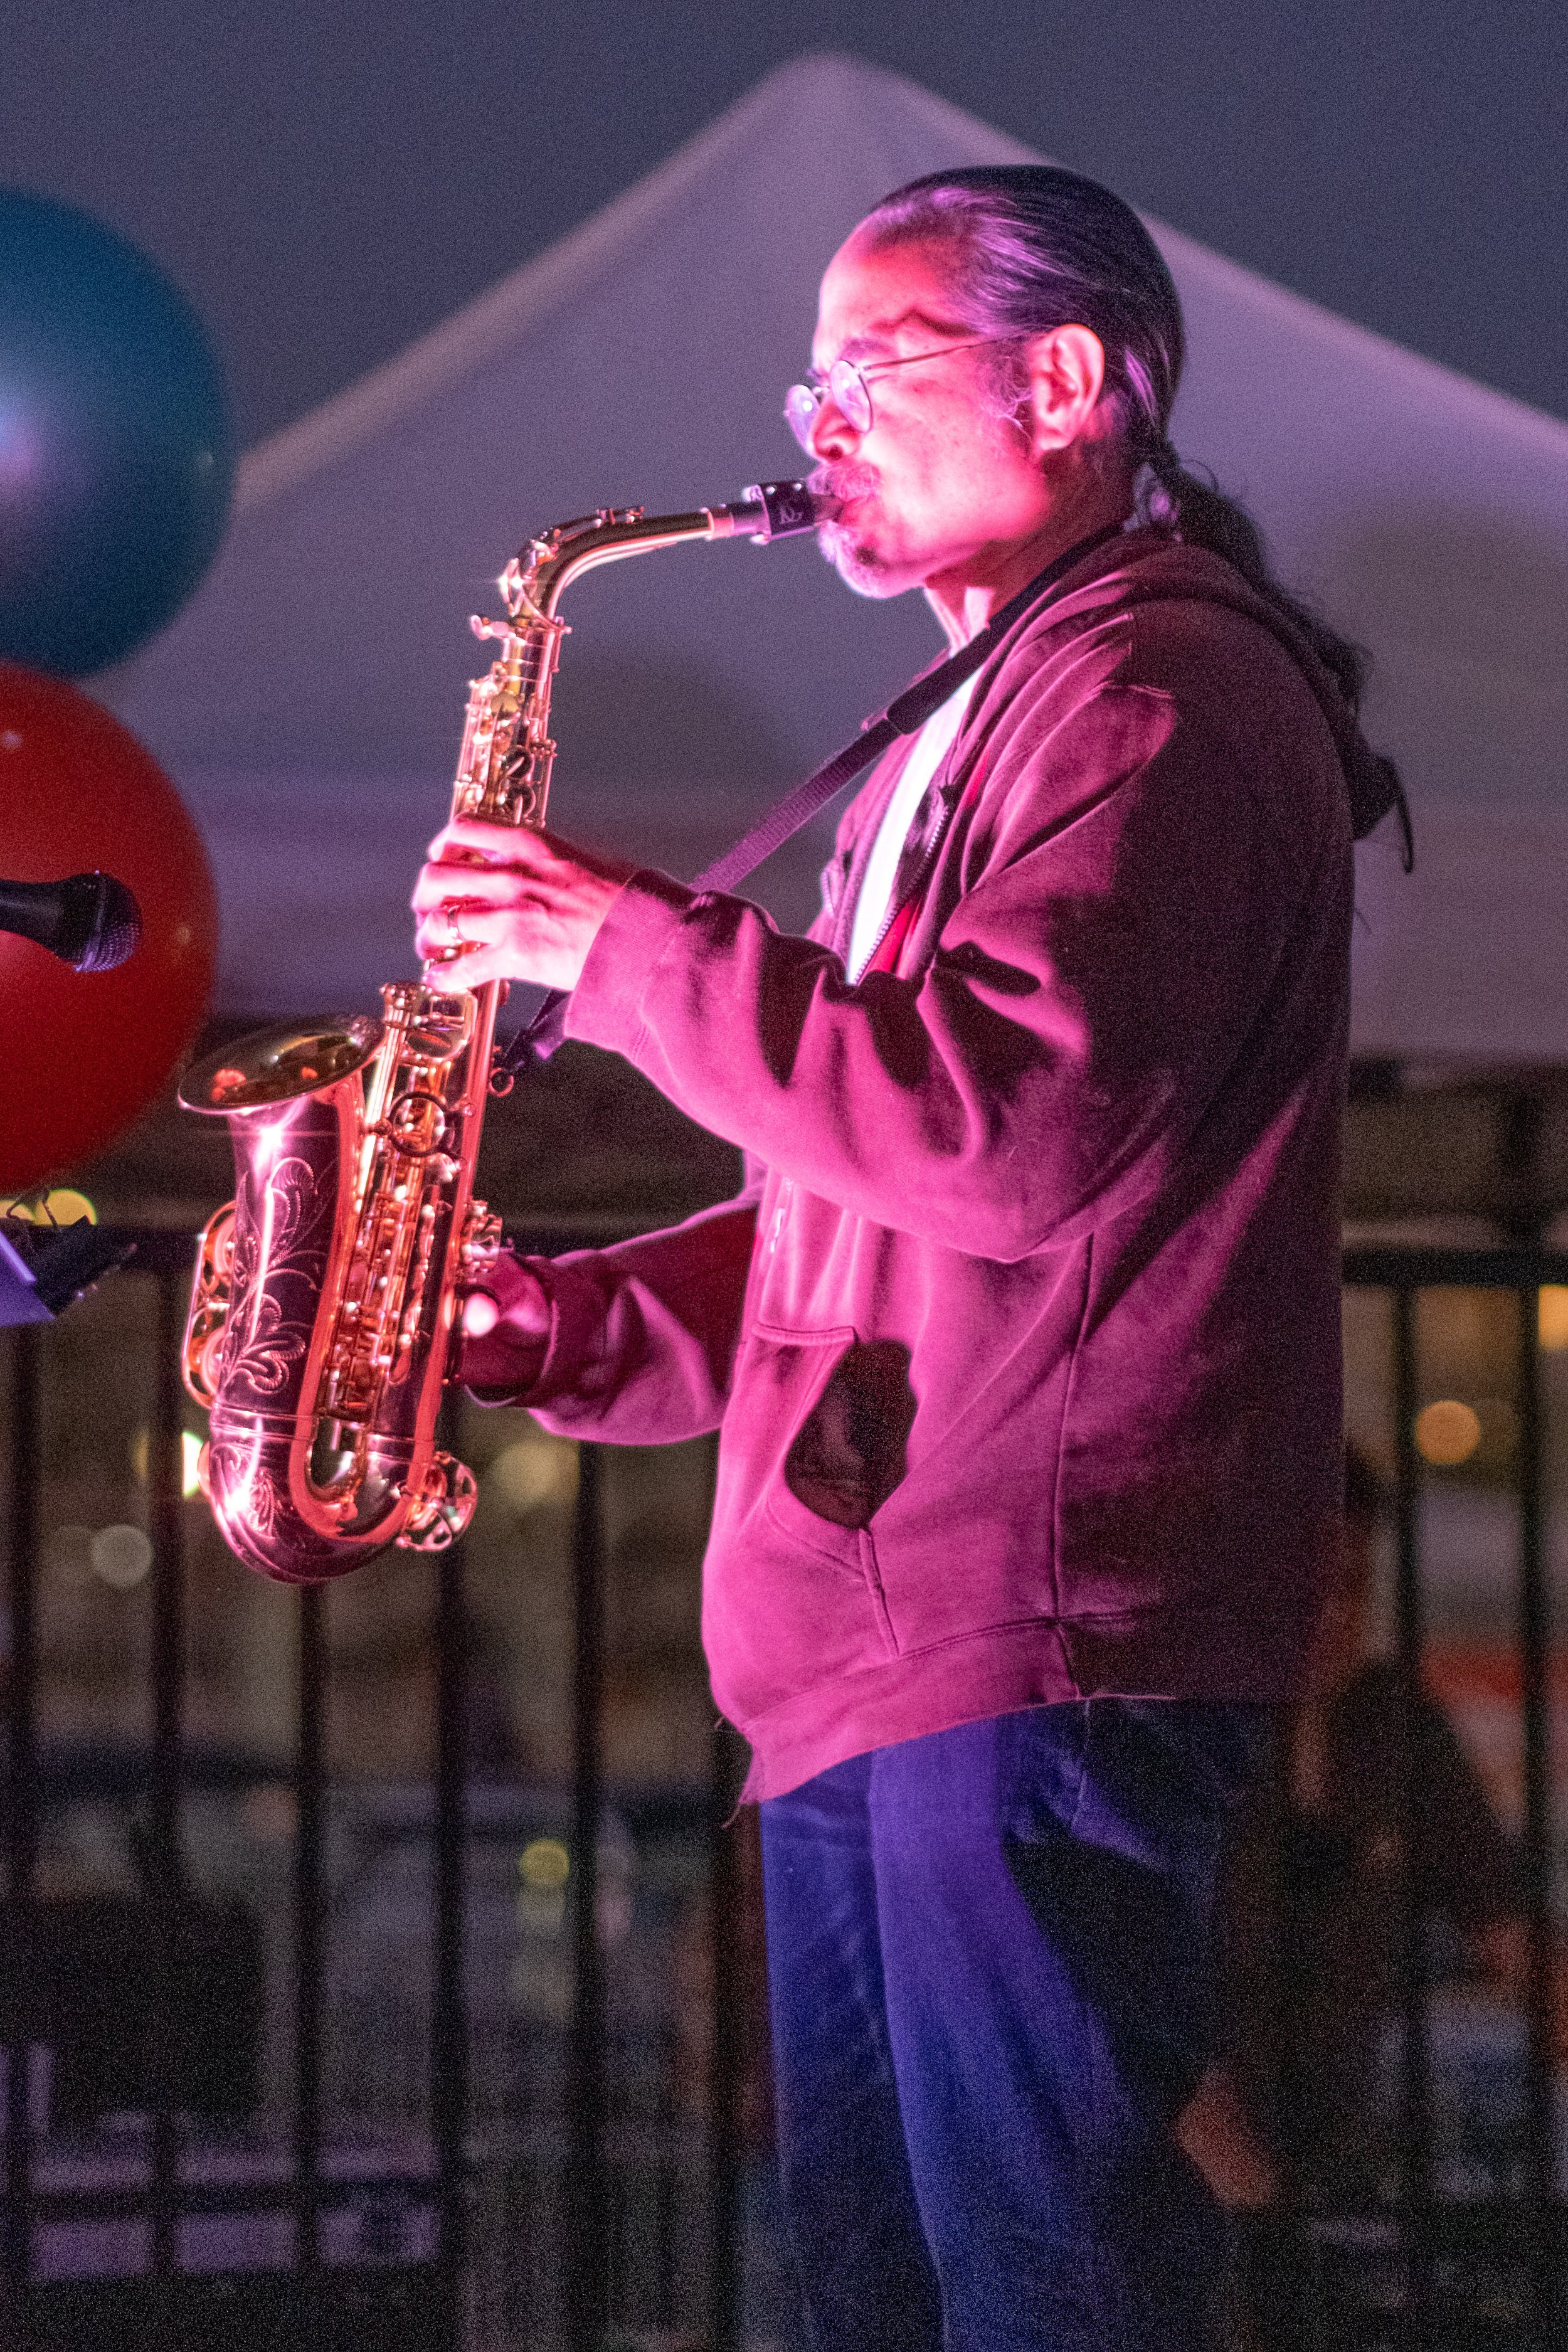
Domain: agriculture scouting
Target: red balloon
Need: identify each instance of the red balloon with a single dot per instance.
(82, 1052)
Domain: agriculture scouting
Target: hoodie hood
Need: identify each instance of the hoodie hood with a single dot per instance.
(1147, 565)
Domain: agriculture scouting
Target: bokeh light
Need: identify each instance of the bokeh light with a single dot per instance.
(121, 1556)
(1552, 1317)
(533, 1470)
(189, 1460)
(544, 1863)
(1447, 1432)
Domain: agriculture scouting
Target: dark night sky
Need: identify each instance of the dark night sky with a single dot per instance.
(329, 178)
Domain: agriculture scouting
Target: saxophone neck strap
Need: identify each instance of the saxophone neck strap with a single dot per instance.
(904, 716)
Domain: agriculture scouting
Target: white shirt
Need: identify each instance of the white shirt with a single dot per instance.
(873, 906)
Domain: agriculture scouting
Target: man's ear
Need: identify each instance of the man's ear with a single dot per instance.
(1067, 375)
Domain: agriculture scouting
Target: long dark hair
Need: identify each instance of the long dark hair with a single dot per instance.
(1035, 247)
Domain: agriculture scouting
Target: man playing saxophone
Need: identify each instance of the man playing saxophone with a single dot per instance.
(1023, 1341)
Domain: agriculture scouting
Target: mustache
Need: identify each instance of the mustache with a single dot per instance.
(842, 482)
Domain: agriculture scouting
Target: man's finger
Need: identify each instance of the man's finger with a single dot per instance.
(464, 885)
(468, 840)
(478, 838)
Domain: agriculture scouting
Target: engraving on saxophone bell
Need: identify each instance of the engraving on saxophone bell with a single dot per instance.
(327, 1292)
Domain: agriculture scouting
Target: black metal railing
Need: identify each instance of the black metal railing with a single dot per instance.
(426, 2301)
(162, 2301)
(425, 2297)
(1437, 2247)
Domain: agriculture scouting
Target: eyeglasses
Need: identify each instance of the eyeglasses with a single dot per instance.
(849, 388)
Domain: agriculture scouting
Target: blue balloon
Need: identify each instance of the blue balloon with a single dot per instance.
(116, 450)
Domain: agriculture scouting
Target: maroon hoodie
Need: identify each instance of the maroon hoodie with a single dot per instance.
(1023, 1345)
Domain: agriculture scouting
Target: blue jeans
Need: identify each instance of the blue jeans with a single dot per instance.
(990, 1978)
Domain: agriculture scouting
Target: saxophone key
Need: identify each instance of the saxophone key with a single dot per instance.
(417, 1123)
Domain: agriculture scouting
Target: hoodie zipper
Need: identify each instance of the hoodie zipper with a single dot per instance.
(921, 878)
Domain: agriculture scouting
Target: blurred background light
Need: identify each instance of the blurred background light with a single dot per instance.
(544, 1863)
(533, 1470)
(62, 1206)
(1447, 1432)
(120, 1557)
(1552, 1316)
(190, 1459)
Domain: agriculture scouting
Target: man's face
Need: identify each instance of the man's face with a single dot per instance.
(940, 486)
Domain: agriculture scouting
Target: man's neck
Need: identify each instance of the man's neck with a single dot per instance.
(964, 599)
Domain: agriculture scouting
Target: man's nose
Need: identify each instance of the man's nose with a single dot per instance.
(832, 435)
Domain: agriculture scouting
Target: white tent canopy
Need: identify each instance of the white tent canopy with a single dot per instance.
(309, 700)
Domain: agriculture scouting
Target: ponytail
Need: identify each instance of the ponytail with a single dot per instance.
(1200, 515)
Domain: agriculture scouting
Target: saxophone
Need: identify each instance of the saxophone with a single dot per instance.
(320, 1336)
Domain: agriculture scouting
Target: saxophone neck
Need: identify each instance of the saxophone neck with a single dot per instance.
(533, 581)
(504, 773)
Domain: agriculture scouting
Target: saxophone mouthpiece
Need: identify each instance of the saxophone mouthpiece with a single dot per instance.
(766, 511)
(789, 506)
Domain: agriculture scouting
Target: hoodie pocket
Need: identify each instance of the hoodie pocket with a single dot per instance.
(794, 1597)
(852, 1448)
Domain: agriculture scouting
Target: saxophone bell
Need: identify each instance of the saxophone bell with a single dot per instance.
(278, 1064)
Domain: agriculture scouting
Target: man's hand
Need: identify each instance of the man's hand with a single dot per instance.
(1215, 2132)
(505, 1331)
(507, 902)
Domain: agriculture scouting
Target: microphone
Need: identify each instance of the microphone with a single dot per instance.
(90, 921)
